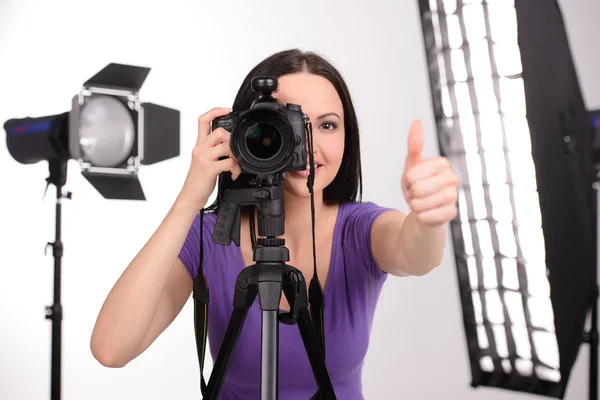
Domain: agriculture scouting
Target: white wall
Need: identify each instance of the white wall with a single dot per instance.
(199, 52)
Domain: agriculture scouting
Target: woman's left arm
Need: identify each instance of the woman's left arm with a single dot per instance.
(414, 244)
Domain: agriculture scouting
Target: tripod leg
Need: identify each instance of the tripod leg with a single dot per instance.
(294, 289)
(315, 356)
(269, 379)
(242, 303)
(269, 292)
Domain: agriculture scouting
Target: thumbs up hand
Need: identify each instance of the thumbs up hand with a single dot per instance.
(430, 187)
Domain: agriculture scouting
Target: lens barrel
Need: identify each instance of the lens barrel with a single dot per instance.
(262, 142)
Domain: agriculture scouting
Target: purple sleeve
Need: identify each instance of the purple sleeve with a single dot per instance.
(190, 251)
(357, 235)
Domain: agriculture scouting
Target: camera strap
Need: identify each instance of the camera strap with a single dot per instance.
(200, 295)
(315, 290)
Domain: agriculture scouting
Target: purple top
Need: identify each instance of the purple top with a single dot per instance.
(351, 294)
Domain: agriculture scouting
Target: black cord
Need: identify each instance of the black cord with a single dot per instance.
(251, 219)
(310, 184)
(200, 272)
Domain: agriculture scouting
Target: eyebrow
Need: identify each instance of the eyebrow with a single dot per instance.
(328, 115)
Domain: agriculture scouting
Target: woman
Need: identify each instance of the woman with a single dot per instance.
(357, 244)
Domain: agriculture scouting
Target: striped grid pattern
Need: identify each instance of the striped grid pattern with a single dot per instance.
(479, 105)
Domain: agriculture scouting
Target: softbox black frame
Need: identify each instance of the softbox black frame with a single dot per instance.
(562, 150)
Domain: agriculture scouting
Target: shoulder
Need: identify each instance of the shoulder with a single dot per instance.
(207, 220)
(191, 249)
(356, 222)
(363, 213)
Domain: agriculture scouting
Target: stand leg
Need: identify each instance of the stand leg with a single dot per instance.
(269, 378)
(54, 312)
(267, 280)
(244, 295)
(295, 292)
(593, 341)
(270, 278)
(58, 177)
(315, 356)
(592, 335)
(230, 339)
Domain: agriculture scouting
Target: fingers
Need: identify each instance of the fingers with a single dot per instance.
(425, 170)
(415, 145)
(236, 171)
(220, 150)
(446, 196)
(205, 119)
(438, 215)
(431, 185)
(219, 135)
(229, 165)
(216, 146)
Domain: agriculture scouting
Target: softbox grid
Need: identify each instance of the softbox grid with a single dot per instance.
(479, 106)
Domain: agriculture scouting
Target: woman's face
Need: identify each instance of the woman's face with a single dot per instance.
(321, 102)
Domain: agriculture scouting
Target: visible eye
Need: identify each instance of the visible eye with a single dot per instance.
(329, 125)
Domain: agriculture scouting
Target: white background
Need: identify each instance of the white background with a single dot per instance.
(199, 53)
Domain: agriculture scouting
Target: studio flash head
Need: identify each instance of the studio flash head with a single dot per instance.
(109, 131)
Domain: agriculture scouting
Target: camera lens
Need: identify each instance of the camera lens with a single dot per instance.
(263, 140)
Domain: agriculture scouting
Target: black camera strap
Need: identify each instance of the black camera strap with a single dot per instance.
(201, 310)
(315, 290)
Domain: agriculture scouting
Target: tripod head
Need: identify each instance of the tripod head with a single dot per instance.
(267, 278)
(265, 193)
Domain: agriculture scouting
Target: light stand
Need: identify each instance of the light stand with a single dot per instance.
(111, 133)
(591, 337)
(58, 178)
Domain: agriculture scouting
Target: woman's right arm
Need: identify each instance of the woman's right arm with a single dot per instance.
(148, 296)
(155, 285)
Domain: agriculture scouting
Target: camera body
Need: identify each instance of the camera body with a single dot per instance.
(269, 138)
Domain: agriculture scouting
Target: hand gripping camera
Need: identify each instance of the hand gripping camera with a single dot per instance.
(269, 138)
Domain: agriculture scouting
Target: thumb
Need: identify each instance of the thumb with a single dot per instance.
(415, 144)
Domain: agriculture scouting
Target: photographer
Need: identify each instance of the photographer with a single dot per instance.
(357, 244)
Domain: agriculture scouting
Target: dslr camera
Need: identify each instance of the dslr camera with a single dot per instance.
(269, 138)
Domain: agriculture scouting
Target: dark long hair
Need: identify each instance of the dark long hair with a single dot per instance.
(347, 185)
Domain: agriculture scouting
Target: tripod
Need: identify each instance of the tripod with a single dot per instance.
(267, 278)
(58, 177)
